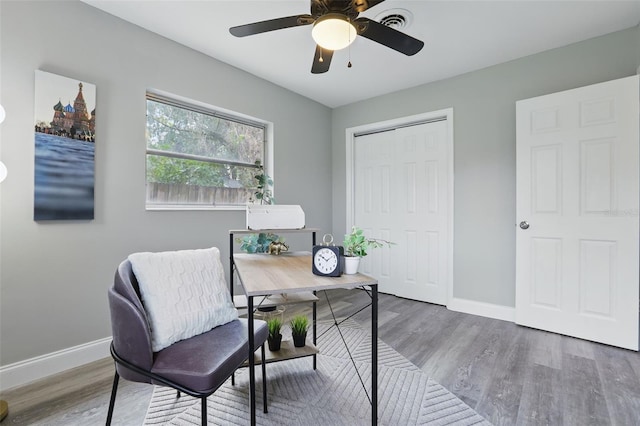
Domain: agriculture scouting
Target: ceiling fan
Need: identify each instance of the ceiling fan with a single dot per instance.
(335, 26)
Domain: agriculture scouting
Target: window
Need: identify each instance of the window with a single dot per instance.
(198, 157)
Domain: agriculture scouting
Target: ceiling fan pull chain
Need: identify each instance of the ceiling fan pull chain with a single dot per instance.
(349, 35)
(320, 59)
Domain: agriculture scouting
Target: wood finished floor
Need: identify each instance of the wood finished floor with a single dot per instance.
(511, 375)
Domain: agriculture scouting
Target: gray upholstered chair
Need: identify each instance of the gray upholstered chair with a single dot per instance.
(197, 366)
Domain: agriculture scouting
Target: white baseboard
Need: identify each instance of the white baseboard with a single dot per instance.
(27, 371)
(482, 309)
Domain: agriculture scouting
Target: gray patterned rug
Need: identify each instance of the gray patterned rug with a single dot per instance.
(330, 395)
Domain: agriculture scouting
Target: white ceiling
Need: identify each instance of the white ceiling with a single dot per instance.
(459, 36)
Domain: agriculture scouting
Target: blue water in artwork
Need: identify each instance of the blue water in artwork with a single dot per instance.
(64, 178)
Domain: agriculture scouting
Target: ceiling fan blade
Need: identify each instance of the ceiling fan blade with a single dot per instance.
(271, 25)
(318, 66)
(389, 37)
(362, 5)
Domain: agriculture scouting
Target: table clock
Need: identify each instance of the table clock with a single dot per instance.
(327, 258)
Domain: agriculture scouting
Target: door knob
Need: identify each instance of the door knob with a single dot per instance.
(524, 224)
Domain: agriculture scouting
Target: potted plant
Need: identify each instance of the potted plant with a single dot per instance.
(259, 243)
(299, 326)
(263, 191)
(356, 245)
(275, 338)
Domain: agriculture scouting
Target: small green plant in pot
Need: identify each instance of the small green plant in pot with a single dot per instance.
(356, 245)
(275, 338)
(299, 326)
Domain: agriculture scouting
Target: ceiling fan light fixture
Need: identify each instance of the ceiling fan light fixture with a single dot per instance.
(333, 31)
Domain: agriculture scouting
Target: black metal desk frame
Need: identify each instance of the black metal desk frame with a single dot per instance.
(252, 348)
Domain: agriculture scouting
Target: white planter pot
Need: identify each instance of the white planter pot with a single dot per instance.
(351, 264)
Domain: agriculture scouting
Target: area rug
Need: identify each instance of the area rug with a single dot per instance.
(331, 395)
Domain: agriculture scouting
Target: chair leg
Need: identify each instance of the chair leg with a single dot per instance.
(114, 390)
(264, 380)
(204, 411)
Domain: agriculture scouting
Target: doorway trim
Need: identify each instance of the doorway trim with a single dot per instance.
(350, 138)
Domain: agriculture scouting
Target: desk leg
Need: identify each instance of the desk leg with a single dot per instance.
(315, 333)
(252, 373)
(374, 354)
(231, 265)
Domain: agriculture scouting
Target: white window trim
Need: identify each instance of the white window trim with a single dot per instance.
(268, 152)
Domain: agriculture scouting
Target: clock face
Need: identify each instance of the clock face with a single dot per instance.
(326, 261)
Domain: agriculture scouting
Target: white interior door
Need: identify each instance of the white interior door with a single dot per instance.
(577, 188)
(401, 195)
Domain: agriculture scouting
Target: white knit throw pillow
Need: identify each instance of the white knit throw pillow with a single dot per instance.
(184, 293)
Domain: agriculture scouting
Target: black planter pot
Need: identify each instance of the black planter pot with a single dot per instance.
(299, 340)
(274, 342)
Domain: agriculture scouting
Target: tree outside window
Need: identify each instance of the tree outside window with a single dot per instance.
(198, 157)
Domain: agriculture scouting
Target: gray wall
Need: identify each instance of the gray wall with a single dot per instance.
(484, 150)
(638, 46)
(54, 276)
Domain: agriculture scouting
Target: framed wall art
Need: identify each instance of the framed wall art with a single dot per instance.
(65, 137)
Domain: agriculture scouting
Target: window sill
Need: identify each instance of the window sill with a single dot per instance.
(170, 207)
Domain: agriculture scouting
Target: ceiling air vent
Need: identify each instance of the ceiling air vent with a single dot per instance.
(397, 19)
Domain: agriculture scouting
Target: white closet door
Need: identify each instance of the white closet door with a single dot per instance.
(577, 262)
(401, 195)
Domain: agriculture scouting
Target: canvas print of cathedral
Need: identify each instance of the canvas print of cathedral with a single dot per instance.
(65, 117)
